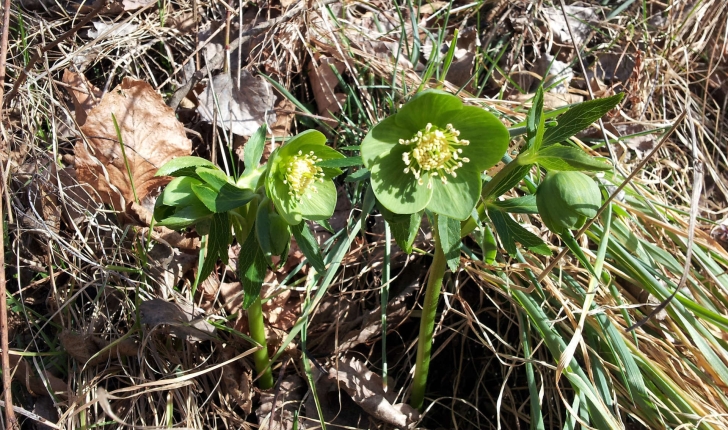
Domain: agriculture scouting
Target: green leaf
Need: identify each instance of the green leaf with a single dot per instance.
(280, 234)
(253, 150)
(535, 122)
(183, 166)
(513, 179)
(360, 175)
(579, 118)
(229, 197)
(251, 270)
(262, 228)
(448, 230)
(488, 244)
(510, 232)
(214, 177)
(404, 227)
(307, 243)
(341, 162)
(564, 158)
(217, 244)
(517, 205)
(179, 192)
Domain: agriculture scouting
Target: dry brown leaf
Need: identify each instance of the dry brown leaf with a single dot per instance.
(579, 18)
(243, 108)
(85, 96)
(182, 321)
(85, 348)
(287, 398)
(365, 388)
(323, 84)
(23, 372)
(151, 134)
(238, 383)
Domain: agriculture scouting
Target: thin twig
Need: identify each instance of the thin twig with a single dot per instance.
(11, 421)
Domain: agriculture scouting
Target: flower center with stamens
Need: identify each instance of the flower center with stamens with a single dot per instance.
(300, 172)
(435, 151)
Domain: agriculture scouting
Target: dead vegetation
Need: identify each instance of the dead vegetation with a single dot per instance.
(107, 329)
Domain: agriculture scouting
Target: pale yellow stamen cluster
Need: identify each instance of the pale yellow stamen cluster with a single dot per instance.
(436, 151)
(301, 172)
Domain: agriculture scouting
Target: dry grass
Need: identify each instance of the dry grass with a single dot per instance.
(77, 276)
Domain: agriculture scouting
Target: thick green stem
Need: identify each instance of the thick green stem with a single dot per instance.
(257, 332)
(427, 323)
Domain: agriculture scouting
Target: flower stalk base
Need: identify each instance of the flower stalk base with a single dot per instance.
(427, 324)
(257, 332)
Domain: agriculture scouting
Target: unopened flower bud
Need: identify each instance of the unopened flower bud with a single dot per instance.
(567, 199)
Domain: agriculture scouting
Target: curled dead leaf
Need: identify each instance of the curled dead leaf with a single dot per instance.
(366, 390)
(36, 385)
(182, 320)
(151, 136)
(93, 350)
(244, 105)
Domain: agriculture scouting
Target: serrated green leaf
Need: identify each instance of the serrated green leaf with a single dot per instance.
(449, 232)
(341, 162)
(307, 243)
(253, 150)
(252, 267)
(214, 177)
(579, 118)
(513, 178)
(183, 166)
(511, 232)
(517, 205)
(217, 244)
(564, 158)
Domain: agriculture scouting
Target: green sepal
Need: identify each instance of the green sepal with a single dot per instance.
(565, 200)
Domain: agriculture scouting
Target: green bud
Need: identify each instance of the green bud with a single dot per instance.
(566, 199)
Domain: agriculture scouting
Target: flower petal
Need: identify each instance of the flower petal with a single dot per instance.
(428, 106)
(319, 202)
(458, 197)
(285, 204)
(380, 141)
(487, 135)
(302, 141)
(398, 191)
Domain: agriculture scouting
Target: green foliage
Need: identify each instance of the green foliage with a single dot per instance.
(579, 118)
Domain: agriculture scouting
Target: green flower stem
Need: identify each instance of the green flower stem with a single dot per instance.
(427, 322)
(257, 332)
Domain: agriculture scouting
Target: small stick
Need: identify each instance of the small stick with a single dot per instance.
(11, 422)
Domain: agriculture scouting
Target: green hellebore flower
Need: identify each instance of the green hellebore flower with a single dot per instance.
(431, 154)
(298, 187)
(566, 199)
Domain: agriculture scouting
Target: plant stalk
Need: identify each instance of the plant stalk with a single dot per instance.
(427, 323)
(257, 332)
